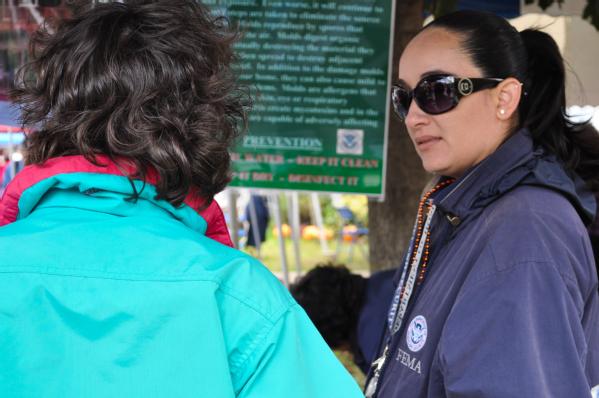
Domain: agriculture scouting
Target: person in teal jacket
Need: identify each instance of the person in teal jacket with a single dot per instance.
(117, 278)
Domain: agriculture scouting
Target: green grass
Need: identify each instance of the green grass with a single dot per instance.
(310, 255)
(346, 359)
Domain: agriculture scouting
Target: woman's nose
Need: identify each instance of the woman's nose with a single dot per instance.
(415, 116)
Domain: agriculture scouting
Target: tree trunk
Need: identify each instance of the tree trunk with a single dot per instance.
(390, 221)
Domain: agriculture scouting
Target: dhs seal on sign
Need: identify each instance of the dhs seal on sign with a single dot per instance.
(350, 142)
(417, 331)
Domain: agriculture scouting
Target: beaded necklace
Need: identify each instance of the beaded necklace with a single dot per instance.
(420, 223)
(417, 250)
(416, 261)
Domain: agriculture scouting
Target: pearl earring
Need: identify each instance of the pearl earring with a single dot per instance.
(502, 111)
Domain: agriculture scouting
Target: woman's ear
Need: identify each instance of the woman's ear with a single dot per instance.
(508, 92)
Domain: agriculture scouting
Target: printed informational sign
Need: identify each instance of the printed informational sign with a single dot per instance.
(321, 71)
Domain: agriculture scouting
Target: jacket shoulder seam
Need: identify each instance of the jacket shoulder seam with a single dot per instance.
(257, 342)
(515, 264)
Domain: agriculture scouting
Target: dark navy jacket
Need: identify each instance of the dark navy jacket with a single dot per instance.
(509, 305)
(371, 322)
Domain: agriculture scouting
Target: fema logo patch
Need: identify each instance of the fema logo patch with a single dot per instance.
(417, 331)
(350, 142)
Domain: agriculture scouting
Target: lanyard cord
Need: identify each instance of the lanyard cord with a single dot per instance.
(419, 244)
(417, 259)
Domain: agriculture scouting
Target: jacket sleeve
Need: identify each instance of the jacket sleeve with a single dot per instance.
(516, 333)
(293, 361)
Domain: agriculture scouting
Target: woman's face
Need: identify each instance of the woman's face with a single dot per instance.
(451, 142)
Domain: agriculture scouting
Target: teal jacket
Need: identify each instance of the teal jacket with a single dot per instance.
(102, 296)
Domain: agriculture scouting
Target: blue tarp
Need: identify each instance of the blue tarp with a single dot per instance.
(505, 8)
(9, 122)
(9, 115)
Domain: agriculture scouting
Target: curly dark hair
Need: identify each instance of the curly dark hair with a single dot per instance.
(332, 297)
(146, 81)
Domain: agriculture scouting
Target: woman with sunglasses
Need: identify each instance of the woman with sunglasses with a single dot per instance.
(497, 295)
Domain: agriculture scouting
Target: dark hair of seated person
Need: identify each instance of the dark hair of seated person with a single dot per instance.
(332, 297)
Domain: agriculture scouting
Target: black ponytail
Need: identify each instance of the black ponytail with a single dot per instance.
(543, 110)
(534, 59)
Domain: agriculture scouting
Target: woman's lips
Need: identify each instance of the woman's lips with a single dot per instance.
(426, 141)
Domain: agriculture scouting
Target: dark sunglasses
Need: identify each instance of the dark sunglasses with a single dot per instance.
(437, 94)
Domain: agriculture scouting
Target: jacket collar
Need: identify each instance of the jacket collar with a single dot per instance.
(515, 162)
(26, 190)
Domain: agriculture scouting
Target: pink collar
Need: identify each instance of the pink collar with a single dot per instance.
(31, 175)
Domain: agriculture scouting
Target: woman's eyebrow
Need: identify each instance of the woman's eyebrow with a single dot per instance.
(402, 82)
(434, 72)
